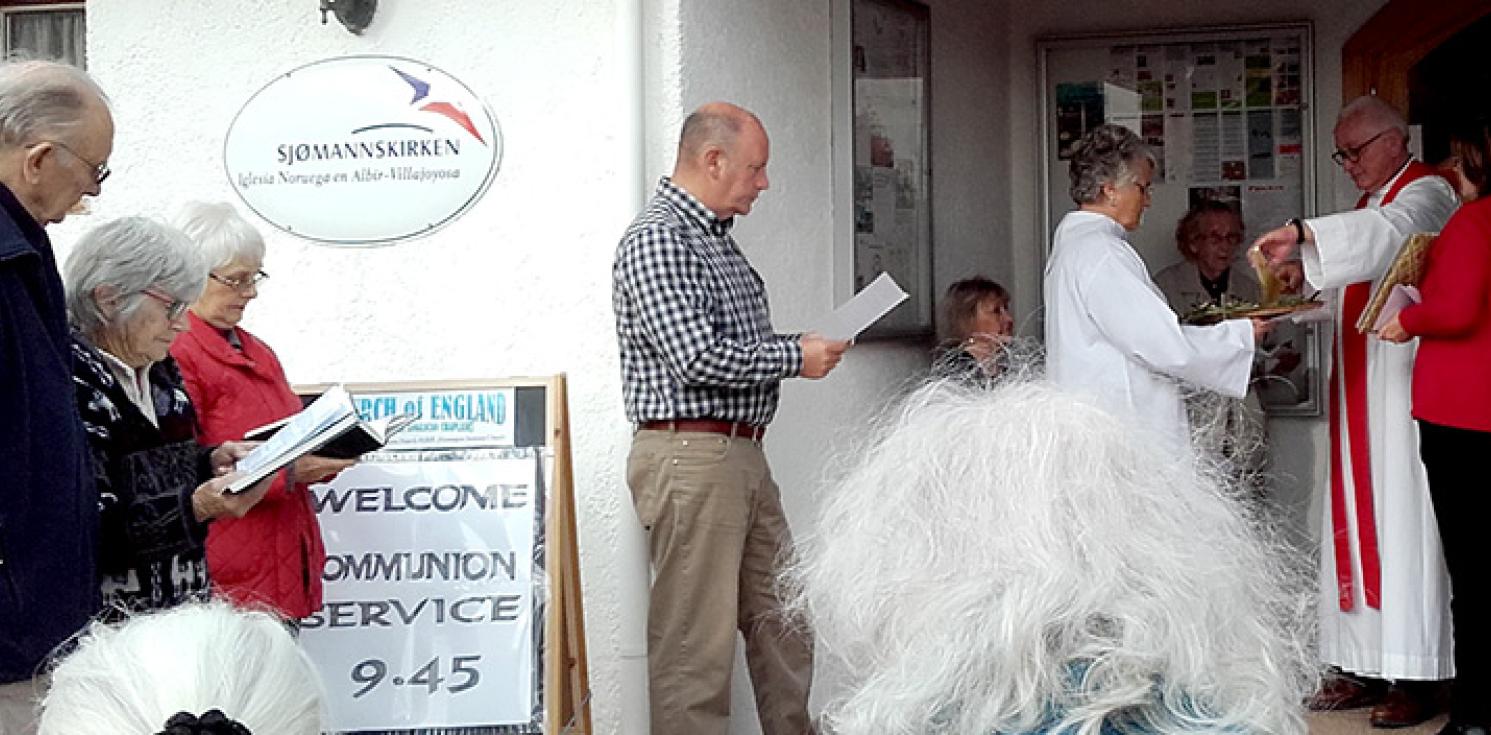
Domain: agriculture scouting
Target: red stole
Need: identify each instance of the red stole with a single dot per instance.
(1349, 375)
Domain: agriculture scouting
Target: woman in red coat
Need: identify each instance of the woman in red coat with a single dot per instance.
(273, 555)
(1452, 402)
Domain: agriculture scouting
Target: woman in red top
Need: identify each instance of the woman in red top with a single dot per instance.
(273, 555)
(1452, 402)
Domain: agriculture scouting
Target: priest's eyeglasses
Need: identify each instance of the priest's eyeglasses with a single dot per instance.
(1354, 153)
(240, 284)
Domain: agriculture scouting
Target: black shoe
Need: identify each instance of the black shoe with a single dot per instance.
(1407, 704)
(1342, 691)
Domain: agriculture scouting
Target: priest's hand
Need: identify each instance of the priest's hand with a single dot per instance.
(1291, 273)
(1393, 331)
(1280, 244)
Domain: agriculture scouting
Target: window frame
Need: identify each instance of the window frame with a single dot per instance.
(16, 7)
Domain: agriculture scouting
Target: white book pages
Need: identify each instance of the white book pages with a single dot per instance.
(1397, 300)
(305, 431)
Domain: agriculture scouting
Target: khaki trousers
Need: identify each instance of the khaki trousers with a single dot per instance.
(20, 705)
(716, 534)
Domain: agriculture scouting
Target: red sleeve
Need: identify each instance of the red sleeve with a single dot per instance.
(1456, 279)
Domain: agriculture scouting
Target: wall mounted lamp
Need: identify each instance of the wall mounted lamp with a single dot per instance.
(354, 14)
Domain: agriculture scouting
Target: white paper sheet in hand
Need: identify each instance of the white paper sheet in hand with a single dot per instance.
(1397, 299)
(857, 314)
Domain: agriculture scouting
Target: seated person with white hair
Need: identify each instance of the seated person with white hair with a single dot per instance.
(1017, 560)
(128, 283)
(198, 669)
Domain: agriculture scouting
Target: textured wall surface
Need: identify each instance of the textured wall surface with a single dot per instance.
(520, 285)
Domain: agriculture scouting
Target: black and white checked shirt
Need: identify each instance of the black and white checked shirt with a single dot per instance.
(692, 320)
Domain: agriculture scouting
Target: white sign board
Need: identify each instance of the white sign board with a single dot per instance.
(362, 150)
(432, 595)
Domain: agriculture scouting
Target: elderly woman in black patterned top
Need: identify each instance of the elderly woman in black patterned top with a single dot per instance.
(128, 284)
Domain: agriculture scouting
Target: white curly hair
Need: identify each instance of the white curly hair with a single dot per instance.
(1013, 559)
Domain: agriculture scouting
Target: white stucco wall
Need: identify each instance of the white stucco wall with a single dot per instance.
(518, 286)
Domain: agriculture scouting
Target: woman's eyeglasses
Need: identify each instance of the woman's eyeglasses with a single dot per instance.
(174, 307)
(240, 284)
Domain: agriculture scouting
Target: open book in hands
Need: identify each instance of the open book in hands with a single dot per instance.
(329, 427)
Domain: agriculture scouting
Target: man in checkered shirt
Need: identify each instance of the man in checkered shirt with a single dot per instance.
(701, 369)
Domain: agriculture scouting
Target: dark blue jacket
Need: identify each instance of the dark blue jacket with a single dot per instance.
(48, 507)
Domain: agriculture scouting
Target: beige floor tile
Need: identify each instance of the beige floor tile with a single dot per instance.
(1354, 722)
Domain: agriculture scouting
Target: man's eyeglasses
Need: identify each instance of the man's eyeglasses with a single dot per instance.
(174, 307)
(240, 284)
(1354, 154)
(100, 170)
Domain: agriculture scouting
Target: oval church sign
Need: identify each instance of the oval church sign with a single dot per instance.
(362, 150)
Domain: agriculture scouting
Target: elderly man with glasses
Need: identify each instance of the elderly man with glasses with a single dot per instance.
(1384, 612)
(56, 132)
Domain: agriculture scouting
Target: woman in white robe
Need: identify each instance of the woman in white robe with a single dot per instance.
(1109, 331)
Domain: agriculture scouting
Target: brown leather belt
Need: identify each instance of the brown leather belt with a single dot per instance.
(712, 426)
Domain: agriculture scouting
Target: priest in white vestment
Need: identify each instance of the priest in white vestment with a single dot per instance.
(1384, 604)
(1109, 332)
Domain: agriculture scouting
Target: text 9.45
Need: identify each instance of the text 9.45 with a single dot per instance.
(461, 675)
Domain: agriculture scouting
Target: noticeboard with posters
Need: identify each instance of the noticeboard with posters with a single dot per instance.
(1227, 112)
(891, 83)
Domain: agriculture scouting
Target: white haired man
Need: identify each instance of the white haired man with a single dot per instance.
(56, 135)
(701, 373)
(1384, 610)
(1019, 560)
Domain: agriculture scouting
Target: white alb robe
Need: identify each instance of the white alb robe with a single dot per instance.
(1111, 335)
(1409, 638)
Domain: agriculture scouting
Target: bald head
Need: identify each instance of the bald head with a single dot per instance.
(722, 154)
(717, 125)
